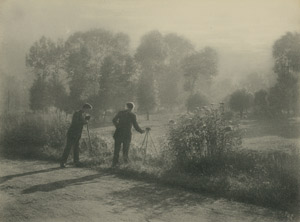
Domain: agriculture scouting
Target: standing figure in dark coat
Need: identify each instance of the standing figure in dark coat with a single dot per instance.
(123, 122)
(79, 119)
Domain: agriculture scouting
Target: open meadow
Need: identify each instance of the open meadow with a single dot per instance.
(264, 170)
(257, 135)
(262, 136)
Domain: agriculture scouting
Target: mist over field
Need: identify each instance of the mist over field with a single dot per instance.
(242, 32)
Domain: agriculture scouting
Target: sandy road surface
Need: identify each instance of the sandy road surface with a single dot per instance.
(40, 191)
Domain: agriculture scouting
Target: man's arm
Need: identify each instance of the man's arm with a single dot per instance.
(78, 119)
(116, 120)
(136, 125)
(81, 119)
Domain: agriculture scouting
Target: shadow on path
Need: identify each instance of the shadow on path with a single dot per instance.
(159, 198)
(9, 177)
(162, 199)
(61, 184)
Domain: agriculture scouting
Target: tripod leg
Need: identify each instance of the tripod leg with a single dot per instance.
(153, 144)
(88, 132)
(143, 141)
(146, 136)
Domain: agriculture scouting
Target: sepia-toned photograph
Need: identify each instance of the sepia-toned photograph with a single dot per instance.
(149, 110)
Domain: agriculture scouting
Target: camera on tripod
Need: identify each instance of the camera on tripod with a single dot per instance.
(146, 142)
(88, 117)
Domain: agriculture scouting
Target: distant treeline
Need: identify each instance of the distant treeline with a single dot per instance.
(282, 99)
(164, 72)
(98, 66)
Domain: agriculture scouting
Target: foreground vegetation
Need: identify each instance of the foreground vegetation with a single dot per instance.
(201, 151)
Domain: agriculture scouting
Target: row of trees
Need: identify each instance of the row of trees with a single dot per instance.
(282, 99)
(163, 71)
(13, 93)
(98, 66)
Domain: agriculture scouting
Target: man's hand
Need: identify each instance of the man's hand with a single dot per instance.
(146, 130)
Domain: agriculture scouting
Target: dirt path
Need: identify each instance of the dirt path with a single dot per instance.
(40, 191)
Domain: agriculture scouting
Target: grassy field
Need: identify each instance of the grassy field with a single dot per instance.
(257, 135)
(264, 171)
(266, 143)
(272, 136)
(157, 123)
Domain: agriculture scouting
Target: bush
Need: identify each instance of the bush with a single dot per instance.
(202, 138)
(28, 133)
(206, 150)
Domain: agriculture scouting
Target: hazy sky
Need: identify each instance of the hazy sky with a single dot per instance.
(243, 31)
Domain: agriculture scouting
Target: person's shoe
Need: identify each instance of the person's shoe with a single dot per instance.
(62, 165)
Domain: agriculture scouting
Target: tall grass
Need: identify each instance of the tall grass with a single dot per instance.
(28, 134)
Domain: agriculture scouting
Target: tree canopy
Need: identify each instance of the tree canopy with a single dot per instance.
(199, 69)
(286, 53)
(98, 66)
(240, 101)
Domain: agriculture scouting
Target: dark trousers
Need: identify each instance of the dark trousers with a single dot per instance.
(71, 142)
(126, 145)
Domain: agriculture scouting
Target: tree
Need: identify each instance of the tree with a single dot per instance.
(116, 86)
(260, 102)
(46, 60)
(41, 57)
(199, 69)
(286, 52)
(161, 57)
(58, 96)
(150, 56)
(77, 67)
(14, 97)
(151, 52)
(88, 52)
(177, 48)
(146, 94)
(240, 101)
(170, 79)
(39, 99)
(276, 100)
(168, 88)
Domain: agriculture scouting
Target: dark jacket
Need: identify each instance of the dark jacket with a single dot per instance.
(78, 121)
(123, 122)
